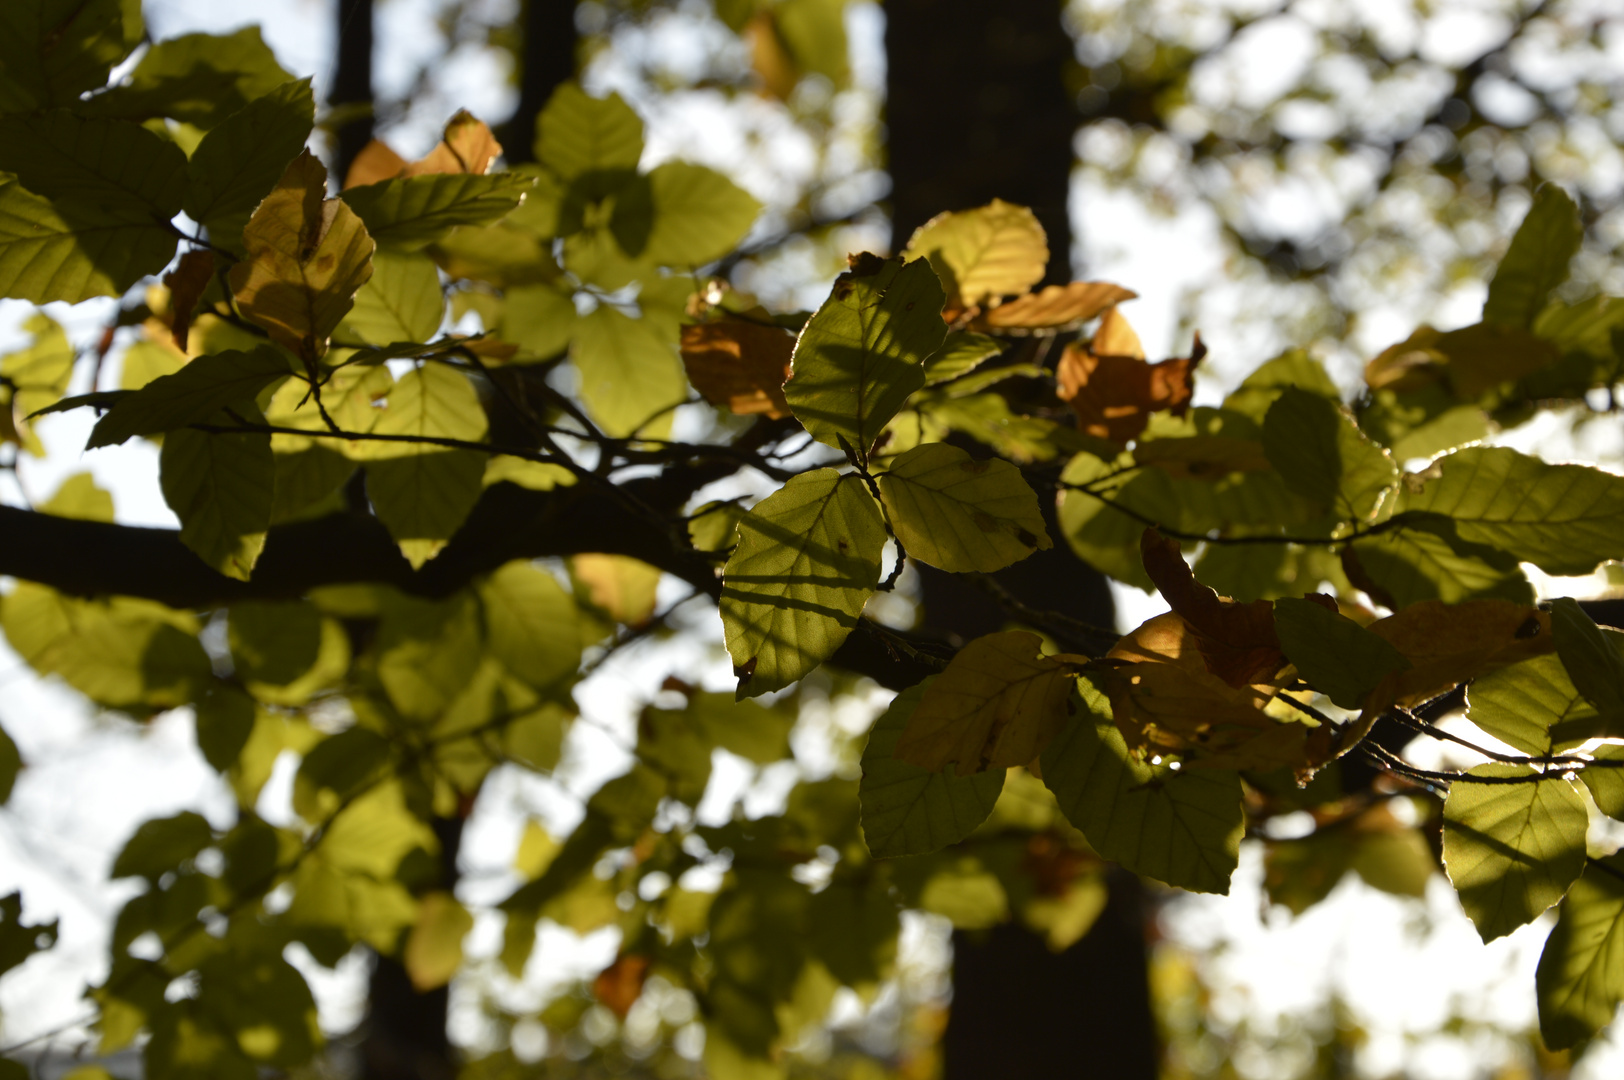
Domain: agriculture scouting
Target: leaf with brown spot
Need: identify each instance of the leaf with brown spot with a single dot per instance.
(739, 365)
(1114, 395)
(1054, 308)
(1448, 644)
(186, 284)
(999, 703)
(619, 985)
(307, 257)
(1237, 640)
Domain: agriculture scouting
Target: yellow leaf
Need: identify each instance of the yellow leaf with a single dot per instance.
(1058, 307)
(618, 585)
(999, 703)
(307, 257)
(434, 946)
(983, 254)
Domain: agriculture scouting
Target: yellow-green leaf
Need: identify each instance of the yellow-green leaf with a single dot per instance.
(1324, 456)
(73, 251)
(198, 79)
(962, 515)
(1580, 979)
(434, 946)
(682, 215)
(401, 301)
(530, 624)
(221, 486)
(983, 254)
(577, 135)
(411, 212)
(240, 161)
(631, 375)
(195, 393)
(1537, 260)
(807, 561)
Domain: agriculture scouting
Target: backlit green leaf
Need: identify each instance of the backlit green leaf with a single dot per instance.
(433, 950)
(631, 375)
(1324, 456)
(84, 165)
(961, 352)
(1512, 849)
(1537, 260)
(983, 254)
(1334, 654)
(1565, 519)
(197, 79)
(75, 251)
(423, 493)
(51, 51)
(1521, 703)
(540, 318)
(962, 515)
(862, 353)
(577, 134)
(161, 845)
(1580, 979)
(908, 811)
(1259, 391)
(428, 652)
(221, 486)
(1180, 826)
(682, 215)
(1591, 660)
(411, 212)
(400, 302)
(807, 561)
(239, 162)
(530, 624)
(195, 393)
(1426, 560)
(285, 652)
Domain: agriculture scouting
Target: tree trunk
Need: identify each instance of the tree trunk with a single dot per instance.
(352, 81)
(977, 109)
(546, 58)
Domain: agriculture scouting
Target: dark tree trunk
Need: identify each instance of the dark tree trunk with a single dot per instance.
(977, 109)
(546, 58)
(352, 80)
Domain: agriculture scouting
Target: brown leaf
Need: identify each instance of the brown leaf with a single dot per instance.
(739, 365)
(186, 284)
(1057, 307)
(306, 258)
(1116, 337)
(1237, 640)
(373, 165)
(999, 703)
(771, 60)
(1114, 395)
(467, 147)
(619, 985)
(1448, 644)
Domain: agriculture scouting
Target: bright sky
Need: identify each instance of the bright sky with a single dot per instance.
(1402, 967)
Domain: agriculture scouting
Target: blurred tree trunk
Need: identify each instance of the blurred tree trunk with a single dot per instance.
(546, 58)
(977, 109)
(352, 81)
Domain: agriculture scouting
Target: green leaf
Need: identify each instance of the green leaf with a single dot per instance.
(51, 51)
(401, 302)
(1512, 849)
(1259, 391)
(962, 515)
(807, 561)
(1267, 571)
(861, 353)
(78, 497)
(225, 723)
(539, 318)
(908, 811)
(1521, 703)
(961, 352)
(74, 251)
(1565, 519)
(411, 212)
(1324, 456)
(159, 846)
(1425, 559)
(983, 254)
(18, 940)
(82, 165)
(194, 394)
(260, 1001)
(423, 493)
(184, 1046)
(1180, 826)
(198, 79)
(1537, 261)
(631, 375)
(239, 162)
(37, 376)
(1334, 654)
(11, 764)
(577, 135)
(428, 652)
(1591, 661)
(221, 486)
(682, 215)
(1421, 423)
(1106, 538)
(285, 652)
(1580, 979)
(336, 769)
(433, 952)
(530, 624)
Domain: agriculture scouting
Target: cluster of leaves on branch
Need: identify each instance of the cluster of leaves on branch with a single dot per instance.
(294, 368)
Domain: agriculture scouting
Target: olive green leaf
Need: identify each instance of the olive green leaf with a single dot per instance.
(1324, 456)
(959, 514)
(1259, 391)
(161, 844)
(807, 561)
(239, 162)
(51, 51)
(539, 318)
(1580, 979)
(983, 254)
(1179, 826)
(411, 212)
(530, 624)
(221, 486)
(999, 703)
(284, 652)
(307, 256)
(1426, 560)
(1565, 519)
(861, 353)
(631, 375)
(1592, 662)
(191, 395)
(960, 353)
(1520, 704)
(11, 764)
(681, 215)
(1334, 654)
(198, 79)
(423, 493)
(81, 164)
(1512, 849)
(1537, 260)
(577, 135)
(401, 302)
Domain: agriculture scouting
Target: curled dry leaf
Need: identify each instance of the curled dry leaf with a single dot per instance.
(999, 703)
(186, 284)
(467, 147)
(1055, 308)
(1114, 393)
(1448, 644)
(739, 365)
